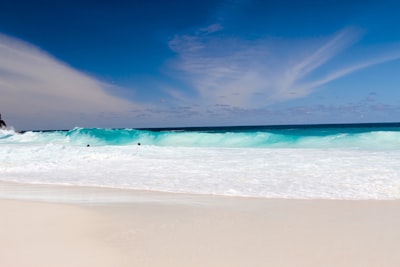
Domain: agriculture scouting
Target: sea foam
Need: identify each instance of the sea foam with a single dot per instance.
(289, 163)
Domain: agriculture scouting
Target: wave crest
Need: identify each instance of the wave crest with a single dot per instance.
(289, 138)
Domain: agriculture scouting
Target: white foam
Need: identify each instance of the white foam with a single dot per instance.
(258, 172)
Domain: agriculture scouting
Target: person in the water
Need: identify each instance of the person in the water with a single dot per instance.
(2, 123)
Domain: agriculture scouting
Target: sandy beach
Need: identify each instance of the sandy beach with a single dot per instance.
(156, 229)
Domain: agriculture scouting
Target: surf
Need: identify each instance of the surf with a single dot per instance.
(291, 162)
(228, 137)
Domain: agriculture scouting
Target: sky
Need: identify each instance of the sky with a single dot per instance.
(155, 63)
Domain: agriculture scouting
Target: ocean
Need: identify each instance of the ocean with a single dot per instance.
(341, 161)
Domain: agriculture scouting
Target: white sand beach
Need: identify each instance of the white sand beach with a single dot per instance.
(188, 230)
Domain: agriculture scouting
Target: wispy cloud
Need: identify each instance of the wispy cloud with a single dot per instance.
(220, 70)
(35, 85)
(324, 53)
(393, 55)
(291, 80)
(255, 73)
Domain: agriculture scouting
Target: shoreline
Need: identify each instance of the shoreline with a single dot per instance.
(87, 194)
(161, 229)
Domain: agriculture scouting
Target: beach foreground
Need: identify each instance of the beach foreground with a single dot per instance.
(185, 230)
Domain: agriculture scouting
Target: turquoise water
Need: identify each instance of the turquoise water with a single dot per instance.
(368, 136)
(306, 162)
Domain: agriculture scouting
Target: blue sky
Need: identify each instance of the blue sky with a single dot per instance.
(198, 63)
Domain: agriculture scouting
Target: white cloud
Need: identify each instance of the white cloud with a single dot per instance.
(35, 86)
(221, 70)
(393, 55)
(255, 73)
